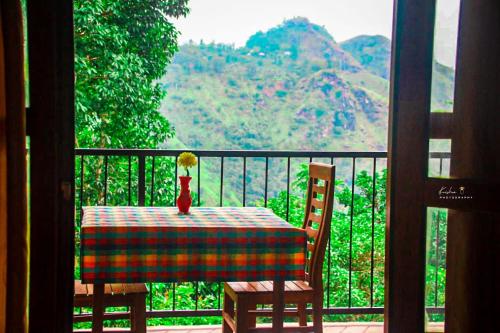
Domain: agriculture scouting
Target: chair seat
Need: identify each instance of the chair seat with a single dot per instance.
(115, 294)
(261, 292)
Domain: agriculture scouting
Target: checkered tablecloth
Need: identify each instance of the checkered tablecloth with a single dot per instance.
(156, 244)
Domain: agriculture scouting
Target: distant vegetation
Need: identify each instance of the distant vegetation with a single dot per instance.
(292, 87)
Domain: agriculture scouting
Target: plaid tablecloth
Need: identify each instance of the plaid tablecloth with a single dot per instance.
(156, 244)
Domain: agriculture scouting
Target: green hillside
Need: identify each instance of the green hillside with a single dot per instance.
(292, 87)
(372, 52)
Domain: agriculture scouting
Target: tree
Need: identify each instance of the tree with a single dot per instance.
(122, 47)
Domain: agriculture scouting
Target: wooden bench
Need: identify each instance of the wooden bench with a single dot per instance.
(132, 295)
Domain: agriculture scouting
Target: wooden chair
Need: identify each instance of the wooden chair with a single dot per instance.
(247, 295)
(132, 295)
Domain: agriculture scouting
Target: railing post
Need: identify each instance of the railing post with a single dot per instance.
(142, 180)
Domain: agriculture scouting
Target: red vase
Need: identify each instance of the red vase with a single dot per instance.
(184, 200)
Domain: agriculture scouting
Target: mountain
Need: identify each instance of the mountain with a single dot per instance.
(372, 52)
(291, 87)
(303, 42)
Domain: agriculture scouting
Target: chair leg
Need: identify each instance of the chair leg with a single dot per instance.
(318, 314)
(242, 315)
(301, 307)
(98, 308)
(252, 318)
(229, 309)
(138, 314)
(133, 325)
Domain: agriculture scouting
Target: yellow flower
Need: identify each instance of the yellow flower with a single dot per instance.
(187, 160)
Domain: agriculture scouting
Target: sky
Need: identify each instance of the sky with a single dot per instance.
(234, 21)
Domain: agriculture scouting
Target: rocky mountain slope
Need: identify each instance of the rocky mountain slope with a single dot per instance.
(292, 87)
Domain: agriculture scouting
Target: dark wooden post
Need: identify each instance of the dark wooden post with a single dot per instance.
(408, 161)
(142, 180)
(473, 243)
(51, 121)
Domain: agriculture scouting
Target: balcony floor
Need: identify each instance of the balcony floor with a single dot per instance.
(327, 328)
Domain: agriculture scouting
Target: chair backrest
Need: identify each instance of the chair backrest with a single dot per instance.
(318, 219)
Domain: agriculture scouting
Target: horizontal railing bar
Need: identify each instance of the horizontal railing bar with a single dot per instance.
(353, 310)
(183, 313)
(240, 153)
(215, 312)
(438, 309)
(78, 318)
(440, 154)
(228, 153)
(84, 317)
(106, 330)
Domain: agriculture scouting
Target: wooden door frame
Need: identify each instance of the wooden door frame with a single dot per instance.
(473, 220)
(473, 231)
(51, 126)
(408, 151)
(51, 129)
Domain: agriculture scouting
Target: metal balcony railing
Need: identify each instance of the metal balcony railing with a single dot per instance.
(148, 177)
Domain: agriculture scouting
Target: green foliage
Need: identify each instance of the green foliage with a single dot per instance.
(286, 37)
(371, 52)
(121, 49)
(281, 93)
(436, 261)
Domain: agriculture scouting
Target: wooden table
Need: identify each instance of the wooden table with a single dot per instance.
(141, 244)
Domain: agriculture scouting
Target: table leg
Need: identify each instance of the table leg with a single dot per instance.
(278, 305)
(98, 308)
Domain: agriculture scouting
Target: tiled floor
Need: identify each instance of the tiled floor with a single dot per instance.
(327, 328)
